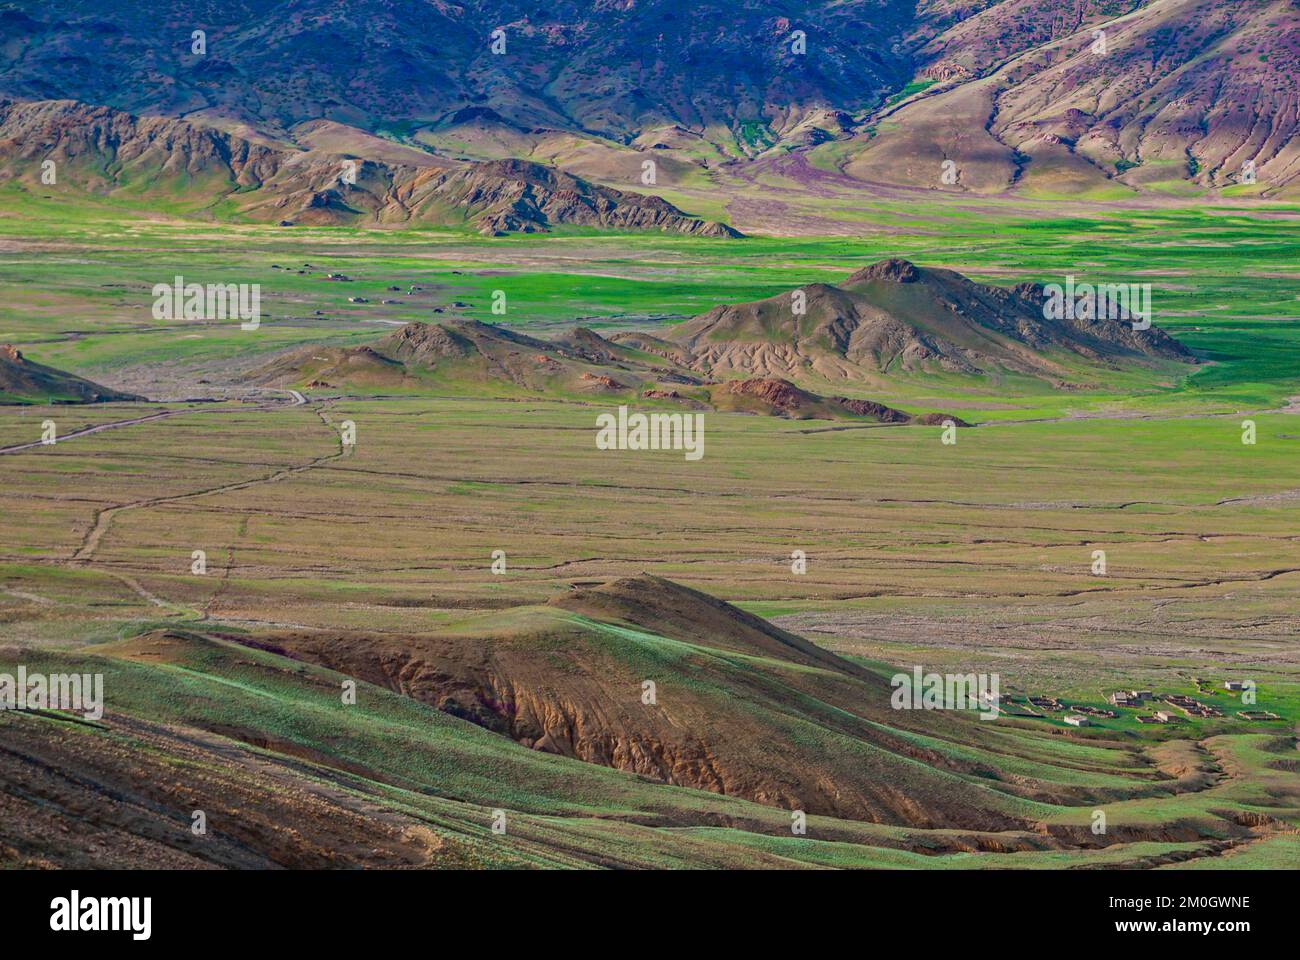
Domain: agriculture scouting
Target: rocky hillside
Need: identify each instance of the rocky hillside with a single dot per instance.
(888, 320)
(469, 357)
(1069, 97)
(1088, 95)
(115, 153)
(816, 732)
(894, 318)
(519, 196)
(611, 69)
(25, 381)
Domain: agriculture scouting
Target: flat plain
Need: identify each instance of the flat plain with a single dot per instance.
(976, 556)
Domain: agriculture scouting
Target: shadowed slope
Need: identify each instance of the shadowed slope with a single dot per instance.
(25, 381)
(653, 678)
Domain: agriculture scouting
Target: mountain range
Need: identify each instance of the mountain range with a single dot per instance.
(1083, 96)
(109, 152)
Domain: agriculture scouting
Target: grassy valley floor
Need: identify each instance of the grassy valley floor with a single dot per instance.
(977, 556)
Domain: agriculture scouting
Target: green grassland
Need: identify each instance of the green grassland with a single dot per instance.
(450, 775)
(970, 557)
(79, 281)
(919, 552)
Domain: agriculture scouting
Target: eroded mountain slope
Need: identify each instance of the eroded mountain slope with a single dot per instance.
(153, 159)
(1097, 96)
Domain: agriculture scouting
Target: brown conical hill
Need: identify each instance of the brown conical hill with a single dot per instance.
(894, 318)
(662, 605)
(739, 707)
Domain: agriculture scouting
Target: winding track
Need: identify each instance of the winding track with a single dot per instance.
(298, 400)
(104, 517)
(19, 447)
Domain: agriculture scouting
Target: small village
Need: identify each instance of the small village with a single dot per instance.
(1158, 708)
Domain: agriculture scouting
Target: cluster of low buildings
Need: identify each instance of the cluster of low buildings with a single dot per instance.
(1080, 715)
(1096, 711)
(1129, 698)
(1079, 718)
(1193, 708)
(1140, 699)
(1137, 699)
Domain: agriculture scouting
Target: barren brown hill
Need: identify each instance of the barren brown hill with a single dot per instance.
(467, 356)
(732, 706)
(115, 153)
(25, 381)
(893, 317)
(1090, 94)
(773, 396)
